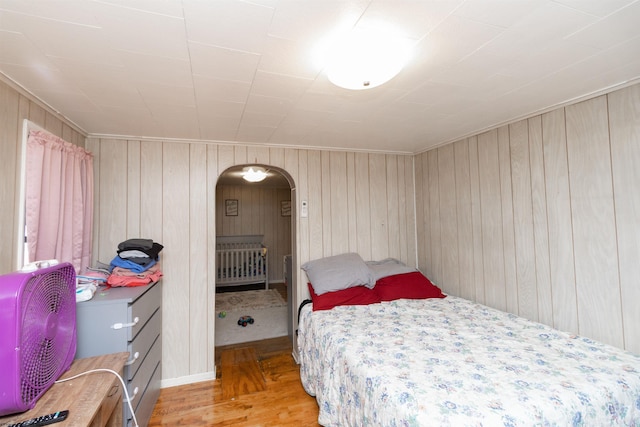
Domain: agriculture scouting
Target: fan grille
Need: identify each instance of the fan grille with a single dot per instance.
(47, 330)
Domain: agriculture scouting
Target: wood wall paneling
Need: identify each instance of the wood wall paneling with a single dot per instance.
(213, 172)
(476, 221)
(624, 119)
(10, 128)
(523, 220)
(133, 189)
(378, 207)
(464, 219)
(561, 262)
(410, 219)
(421, 182)
(362, 197)
(435, 224)
(198, 259)
(508, 238)
(176, 286)
(552, 205)
(338, 202)
(314, 182)
(448, 219)
(392, 192)
(151, 191)
(352, 219)
(303, 236)
(491, 220)
(540, 228)
(112, 227)
(593, 219)
(325, 197)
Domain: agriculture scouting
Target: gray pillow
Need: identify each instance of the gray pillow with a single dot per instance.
(388, 267)
(338, 272)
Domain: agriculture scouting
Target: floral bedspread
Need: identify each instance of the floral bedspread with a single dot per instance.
(451, 362)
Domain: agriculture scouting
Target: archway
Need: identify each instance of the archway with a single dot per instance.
(266, 209)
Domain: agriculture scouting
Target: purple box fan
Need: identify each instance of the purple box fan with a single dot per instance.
(37, 332)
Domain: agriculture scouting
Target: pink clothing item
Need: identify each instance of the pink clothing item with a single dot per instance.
(125, 277)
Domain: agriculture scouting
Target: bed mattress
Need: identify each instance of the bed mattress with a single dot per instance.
(452, 362)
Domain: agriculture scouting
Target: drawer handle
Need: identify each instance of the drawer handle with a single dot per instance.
(133, 395)
(125, 325)
(132, 361)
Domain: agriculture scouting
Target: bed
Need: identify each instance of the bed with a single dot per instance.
(447, 361)
(241, 260)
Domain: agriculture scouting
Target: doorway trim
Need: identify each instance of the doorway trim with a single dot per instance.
(211, 311)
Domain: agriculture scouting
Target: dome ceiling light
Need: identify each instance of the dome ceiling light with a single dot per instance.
(367, 58)
(254, 173)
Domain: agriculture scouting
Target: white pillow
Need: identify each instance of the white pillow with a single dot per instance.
(338, 272)
(388, 267)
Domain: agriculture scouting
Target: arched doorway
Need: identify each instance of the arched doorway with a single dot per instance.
(266, 210)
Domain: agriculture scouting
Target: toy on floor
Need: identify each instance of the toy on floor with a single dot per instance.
(245, 320)
(222, 314)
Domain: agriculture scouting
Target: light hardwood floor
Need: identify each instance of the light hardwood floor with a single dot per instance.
(280, 401)
(283, 402)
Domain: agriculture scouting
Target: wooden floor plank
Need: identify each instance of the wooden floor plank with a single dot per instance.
(241, 373)
(283, 402)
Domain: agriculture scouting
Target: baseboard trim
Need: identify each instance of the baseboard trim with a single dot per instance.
(189, 379)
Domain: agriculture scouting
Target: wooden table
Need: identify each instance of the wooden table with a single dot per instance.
(93, 400)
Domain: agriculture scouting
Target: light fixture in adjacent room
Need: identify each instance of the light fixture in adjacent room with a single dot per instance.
(254, 173)
(367, 58)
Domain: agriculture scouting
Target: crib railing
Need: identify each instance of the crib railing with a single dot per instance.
(241, 263)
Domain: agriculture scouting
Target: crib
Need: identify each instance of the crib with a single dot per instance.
(241, 260)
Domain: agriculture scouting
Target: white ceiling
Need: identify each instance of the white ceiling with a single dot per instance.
(232, 70)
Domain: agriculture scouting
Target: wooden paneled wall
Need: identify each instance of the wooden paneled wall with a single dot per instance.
(258, 213)
(15, 107)
(167, 191)
(542, 217)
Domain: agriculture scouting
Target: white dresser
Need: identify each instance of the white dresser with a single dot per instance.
(127, 319)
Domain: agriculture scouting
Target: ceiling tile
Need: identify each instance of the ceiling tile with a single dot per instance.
(596, 7)
(279, 86)
(143, 32)
(220, 63)
(611, 30)
(230, 24)
(61, 39)
(499, 13)
(218, 89)
(16, 49)
(147, 68)
(415, 20)
(289, 57)
(268, 104)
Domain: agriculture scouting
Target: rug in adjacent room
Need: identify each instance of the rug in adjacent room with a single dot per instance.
(267, 308)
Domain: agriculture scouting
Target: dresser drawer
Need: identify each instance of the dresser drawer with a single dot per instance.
(147, 401)
(140, 380)
(142, 309)
(141, 344)
(106, 323)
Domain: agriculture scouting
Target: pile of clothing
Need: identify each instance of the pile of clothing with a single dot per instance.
(88, 281)
(136, 264)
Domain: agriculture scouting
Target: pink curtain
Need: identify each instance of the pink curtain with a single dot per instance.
(59, 200)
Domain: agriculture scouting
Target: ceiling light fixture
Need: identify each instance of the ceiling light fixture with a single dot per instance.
(254, 173)
(365, 59)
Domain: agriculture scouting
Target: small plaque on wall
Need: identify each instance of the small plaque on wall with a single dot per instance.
(231, 207)
(285, 207)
